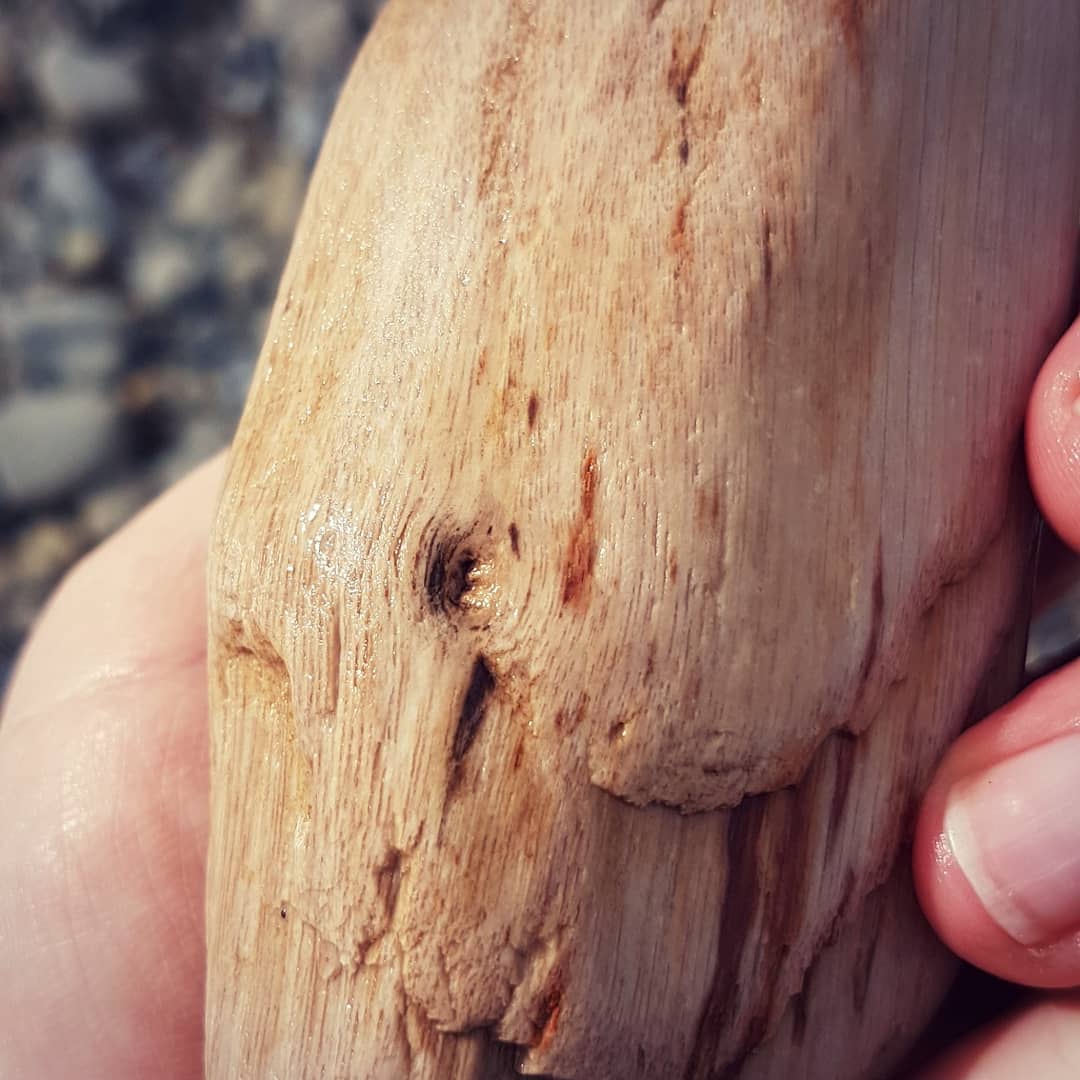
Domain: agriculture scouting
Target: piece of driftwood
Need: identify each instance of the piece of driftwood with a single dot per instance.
(625, 516)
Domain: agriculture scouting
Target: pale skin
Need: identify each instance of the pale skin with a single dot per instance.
(103, 804)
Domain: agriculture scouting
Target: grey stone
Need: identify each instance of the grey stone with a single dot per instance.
(143, 168)
(78, 84)
(245, 268)
(304, 119)
(163, 270)
(272, 198)
(246, 81)
(57, 182)
(234, 381)
(65, 337)
(320, 42)
(23, 253)
(51, 441)
(206, 194)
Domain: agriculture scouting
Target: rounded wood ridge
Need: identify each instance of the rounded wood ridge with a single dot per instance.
(624, 518)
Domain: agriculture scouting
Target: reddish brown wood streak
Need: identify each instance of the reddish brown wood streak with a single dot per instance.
(683, 69)
(550, 1007)
(850, 14)
(581, 551)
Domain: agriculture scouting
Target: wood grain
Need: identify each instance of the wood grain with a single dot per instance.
(625, 516)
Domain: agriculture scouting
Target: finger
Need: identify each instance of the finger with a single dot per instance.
(103, 798)
(1053, 438)
(1042, 1041)
(997, 846)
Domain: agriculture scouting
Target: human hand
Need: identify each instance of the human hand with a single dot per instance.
(997, 848)
(103, 811)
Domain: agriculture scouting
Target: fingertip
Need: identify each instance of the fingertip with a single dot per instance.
(1053, 438)
(994, 860)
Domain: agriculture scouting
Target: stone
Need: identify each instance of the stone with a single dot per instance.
(207, 339)
(23, 253)
(304, 118)
(163, 270)
(77, 84)
(245, 269)
(233, 382)
(65, 337)
(272, 198)
(206, 194)
(144, 167)
(59, 184)
(315, 45)
(246, 80)
(51, 441)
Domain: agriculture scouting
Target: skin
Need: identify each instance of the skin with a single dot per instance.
(103, 799)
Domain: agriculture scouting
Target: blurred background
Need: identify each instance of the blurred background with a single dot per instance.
(153, 157)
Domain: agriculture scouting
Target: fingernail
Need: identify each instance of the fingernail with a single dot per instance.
(1015, 833)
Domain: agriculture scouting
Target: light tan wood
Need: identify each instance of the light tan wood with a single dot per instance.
(625, 516)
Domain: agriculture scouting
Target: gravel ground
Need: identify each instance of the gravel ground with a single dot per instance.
(153, 156)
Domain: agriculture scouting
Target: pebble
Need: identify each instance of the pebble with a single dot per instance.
(246, 269)
(273, 196)
(247, 77)
(51, 441)
(303, 122)
(22, 245)
(65, 337)
(163, 271)
(80, 85)
(144, 168)
(233, 383)
(206, 194)
(59, 185)
(319, 43)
